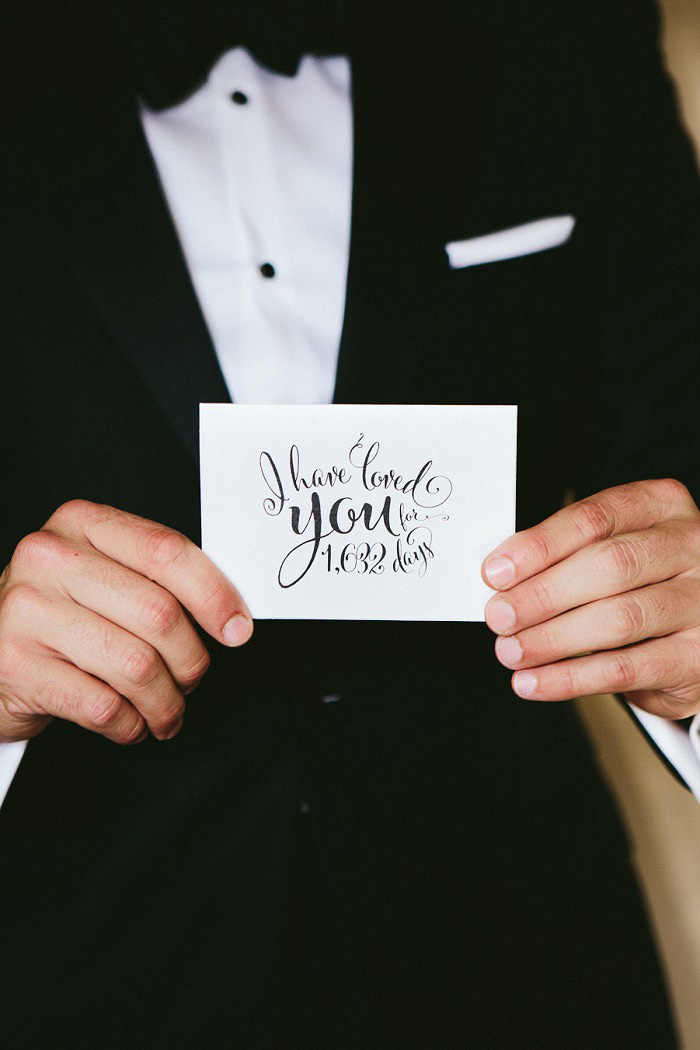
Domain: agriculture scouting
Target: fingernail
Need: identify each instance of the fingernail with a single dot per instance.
(238, 630)
(173, 732)
(500, 615)
(524, 683)
(509, 651)
(140, 739)
(499, 571)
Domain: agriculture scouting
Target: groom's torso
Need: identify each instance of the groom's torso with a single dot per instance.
(447, 820)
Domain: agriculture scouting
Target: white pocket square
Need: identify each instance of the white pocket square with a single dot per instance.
(509, 244)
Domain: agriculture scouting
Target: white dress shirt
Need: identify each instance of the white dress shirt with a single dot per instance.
(256, 169)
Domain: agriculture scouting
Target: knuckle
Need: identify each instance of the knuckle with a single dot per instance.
(547, 647)
(132, 733)
(567, 685)
(622, 672)
(168, 718)
(564, 684)
(163, 546)
(630, 618)
(669, 490)
(104, 710)
(74, 511)
(37, 548)
(620, 560)
(541, 545)
(592, 519)
(139, 665)
(161, 613)
(214, 598)
(12, 662)
(192, 674)
(541, 596)
(20, 601)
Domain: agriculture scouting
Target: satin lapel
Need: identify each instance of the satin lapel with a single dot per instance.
(380, 345)
(417, 132)
(119, 236)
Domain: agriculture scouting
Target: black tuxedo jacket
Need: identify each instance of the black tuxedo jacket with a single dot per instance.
(459, 878)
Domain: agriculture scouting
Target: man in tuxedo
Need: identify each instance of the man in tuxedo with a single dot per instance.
(359, 835)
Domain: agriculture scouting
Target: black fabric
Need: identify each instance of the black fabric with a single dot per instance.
(456, 875)
(175, 44)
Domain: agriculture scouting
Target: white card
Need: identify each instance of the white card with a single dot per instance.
(357, 512)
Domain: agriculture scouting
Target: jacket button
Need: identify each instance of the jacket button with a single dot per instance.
(267, 270)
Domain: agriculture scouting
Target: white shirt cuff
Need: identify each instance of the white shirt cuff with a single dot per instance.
(10, 758)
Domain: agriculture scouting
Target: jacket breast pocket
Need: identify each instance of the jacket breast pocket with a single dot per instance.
(511, 243)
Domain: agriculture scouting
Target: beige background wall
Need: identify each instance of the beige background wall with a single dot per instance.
(663, 819)
(681, 42)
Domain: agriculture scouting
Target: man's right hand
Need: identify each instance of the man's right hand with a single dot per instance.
(93, 626)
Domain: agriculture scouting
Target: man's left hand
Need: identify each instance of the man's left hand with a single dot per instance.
(603, 597)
